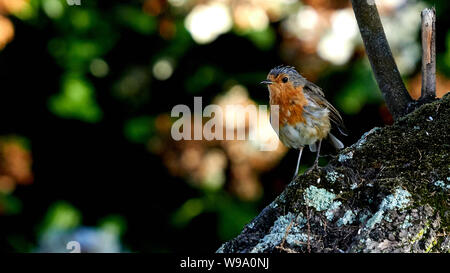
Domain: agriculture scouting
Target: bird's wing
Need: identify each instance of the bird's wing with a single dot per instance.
(315, 93)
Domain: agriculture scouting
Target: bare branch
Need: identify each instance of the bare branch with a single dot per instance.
(380, 56)
(428, 54)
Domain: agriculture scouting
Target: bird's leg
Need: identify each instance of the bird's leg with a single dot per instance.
(298, 162)
(316, 161)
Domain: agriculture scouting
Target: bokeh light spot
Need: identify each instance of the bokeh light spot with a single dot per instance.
(99, 68)
(53, 8)
(207, 22)
(162, 69)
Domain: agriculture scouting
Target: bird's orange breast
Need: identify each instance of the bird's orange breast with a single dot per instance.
(290, 100)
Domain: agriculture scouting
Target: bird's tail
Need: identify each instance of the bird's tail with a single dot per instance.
(336, 142)
(313, 147)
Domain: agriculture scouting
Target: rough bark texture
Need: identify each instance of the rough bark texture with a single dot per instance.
(428, 54)
(389, 192)
(380, 56)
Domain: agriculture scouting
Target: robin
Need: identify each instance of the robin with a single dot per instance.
(304, 114)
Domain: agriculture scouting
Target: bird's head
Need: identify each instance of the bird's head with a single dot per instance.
(283, 78)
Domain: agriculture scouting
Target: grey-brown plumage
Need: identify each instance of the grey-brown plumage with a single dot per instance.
(316, 94)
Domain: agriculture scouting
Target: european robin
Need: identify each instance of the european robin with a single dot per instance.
(304, 114)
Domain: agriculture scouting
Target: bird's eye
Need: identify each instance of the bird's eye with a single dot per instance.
(285, 79)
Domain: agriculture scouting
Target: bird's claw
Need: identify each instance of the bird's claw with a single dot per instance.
(313, 168)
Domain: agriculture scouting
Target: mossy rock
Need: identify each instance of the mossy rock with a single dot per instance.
(389, 192)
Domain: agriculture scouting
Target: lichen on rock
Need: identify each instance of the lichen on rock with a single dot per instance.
(278, 233)
(347, 219)
(320, 199)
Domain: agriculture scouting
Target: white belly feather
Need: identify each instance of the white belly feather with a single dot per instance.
(315, 127)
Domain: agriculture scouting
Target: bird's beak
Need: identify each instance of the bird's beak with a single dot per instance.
(266, 82)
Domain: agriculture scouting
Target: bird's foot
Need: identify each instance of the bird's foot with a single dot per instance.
(314, 167)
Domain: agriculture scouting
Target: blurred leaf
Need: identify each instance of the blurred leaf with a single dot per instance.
(114, 224)
(264, 39)
(445, 63)
(201, 79)
(54, 8)
(135, 19)
(82, 19)
(9, 204)
(76, 100)
(251, 78)
(139, 129)
(351, 100)
(233, 216)
(19, 243)
(83, 49)
(28, 11)
(232, 213)
(360, 90)
(177, 46)
(76, 53)
(82, 35)
(190, 209)
(61, 215)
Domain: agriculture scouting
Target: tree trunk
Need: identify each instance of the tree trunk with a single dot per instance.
(380, 56)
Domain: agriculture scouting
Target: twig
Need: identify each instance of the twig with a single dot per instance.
(428, 54)
(288, 250)
(380, 56)
(287, 232)
(309, 229)
(281, 246)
